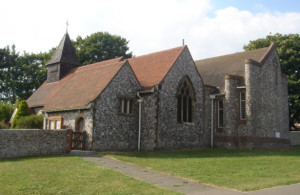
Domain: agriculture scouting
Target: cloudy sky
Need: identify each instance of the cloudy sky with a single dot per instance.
(209, 27)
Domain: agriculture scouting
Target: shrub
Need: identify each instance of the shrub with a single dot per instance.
(3, 125)
(6, 111)
(22, 111)
(30, 122)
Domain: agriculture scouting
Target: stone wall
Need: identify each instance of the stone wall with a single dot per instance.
(32, 142)
(149, 128)
(266, 107)
(112, 129)
(173, 134)
(69, 121)
(295, 137)
(266, 98)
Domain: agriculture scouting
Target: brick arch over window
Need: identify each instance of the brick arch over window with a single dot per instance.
(185, 101)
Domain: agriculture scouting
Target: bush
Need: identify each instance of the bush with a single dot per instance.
(3, 125)
(6, 111)
(30, 122)
(22, 111)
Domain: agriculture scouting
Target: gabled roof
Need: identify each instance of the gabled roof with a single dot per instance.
(151, 69)
(78, 88)
(82, 85)
(213, 70)
(65, 53)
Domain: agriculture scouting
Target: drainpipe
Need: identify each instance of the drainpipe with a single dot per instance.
(140, 100)
(212, 97)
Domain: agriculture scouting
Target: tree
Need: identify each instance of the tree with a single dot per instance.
(20, 75)
(100, 46)
(34, 73)
(6, 111)
(288, 47)
(22, 111)
(8, 73)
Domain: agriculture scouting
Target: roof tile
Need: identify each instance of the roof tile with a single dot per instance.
(151, 69)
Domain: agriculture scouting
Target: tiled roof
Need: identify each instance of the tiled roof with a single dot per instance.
(213, 70)
(78, 88)
(151, 69)
(83, 84)
(65, 53)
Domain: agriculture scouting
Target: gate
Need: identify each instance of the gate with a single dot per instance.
(78, 140)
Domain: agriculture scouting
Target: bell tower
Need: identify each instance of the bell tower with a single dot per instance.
(63, 60)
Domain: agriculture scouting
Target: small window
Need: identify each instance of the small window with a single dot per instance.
(220, 114)
(125, 106)
(242, 105)
(55, 122)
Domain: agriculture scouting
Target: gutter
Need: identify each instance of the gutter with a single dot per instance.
(212, 97)
(140, 100)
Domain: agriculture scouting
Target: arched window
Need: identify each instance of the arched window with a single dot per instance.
(185, 101)
(79, 125)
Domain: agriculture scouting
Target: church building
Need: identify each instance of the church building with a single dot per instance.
(166, 100)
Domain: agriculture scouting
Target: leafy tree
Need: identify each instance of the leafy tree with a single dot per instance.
(20, 75)
(8, 72)
(33, 73)
(5, 111)
(30, 122)
(100, 46)
(288, 47)
(22, 111)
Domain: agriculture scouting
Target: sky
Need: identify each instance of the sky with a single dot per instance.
(209, 27)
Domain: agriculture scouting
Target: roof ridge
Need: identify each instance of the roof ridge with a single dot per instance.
(158, 52)
(97, 67)
(121, 59)
(231, 54)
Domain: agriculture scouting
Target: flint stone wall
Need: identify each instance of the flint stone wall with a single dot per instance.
(149, 128)
(32, 142)
(69, 121)
(112, 129)
(172, 134)
(266, 99)
(295, 137)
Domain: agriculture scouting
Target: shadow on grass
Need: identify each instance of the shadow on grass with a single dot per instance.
(209, 153)
(19, 159)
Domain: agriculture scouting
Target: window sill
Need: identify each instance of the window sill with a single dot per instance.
(186, 123)
(242, 121)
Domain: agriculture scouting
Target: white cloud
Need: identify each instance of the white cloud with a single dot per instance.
(149, 25)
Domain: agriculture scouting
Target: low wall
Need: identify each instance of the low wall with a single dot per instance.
(295, 137)
(32, 142)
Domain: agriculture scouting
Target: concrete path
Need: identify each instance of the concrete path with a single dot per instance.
(182, 185)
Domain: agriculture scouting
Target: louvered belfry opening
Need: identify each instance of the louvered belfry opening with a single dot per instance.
(185, 101)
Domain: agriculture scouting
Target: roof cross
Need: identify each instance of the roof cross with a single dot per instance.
(67, 24)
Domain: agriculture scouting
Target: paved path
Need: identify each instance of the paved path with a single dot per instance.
(176, 183)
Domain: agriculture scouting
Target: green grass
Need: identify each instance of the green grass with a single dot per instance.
(244, 170)
(66, 175)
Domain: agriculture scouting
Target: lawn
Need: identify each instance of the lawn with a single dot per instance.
(244, 170)
(66, 175)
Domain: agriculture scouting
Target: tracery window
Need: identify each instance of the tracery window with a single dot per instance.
(185, 101)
